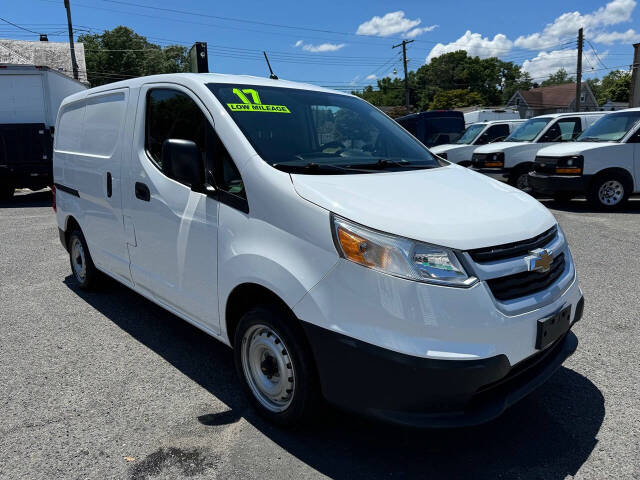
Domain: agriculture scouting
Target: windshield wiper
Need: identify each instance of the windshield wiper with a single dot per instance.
(319, 167)
(383, 163)
(591, 139)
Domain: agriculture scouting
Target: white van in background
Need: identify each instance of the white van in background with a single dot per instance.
(512, 160)
(307, 230)
(603, 164)
(487, 115)
(475, 135)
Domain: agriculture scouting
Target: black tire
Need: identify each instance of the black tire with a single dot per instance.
(298, 364)
(519, 178)
(562, 197)
(617, 195)
(6, 192)
(91, 277)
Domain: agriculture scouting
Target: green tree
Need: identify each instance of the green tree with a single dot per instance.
(558, 78)
(614, 86)
(121, 53)
(448, 99)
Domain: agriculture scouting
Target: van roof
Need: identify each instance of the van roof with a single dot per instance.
(568, 114)
(504, 120)
(202, 79)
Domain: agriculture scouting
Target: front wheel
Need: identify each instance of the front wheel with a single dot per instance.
(520, 179)
(275, 366)
(609, 192)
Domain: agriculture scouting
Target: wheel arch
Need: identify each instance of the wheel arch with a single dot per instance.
(70, 224)
(623, 172)
(243, 298)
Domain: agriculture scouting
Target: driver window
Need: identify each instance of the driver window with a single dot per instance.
(564, 130)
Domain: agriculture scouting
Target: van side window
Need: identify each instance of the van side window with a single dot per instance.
(563, 130)
(221, 171)
(172, 114)
(499, 131)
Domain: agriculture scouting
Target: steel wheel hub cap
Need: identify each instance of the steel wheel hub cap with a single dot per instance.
(268, 368)
(78, 260)
(611, 192)
(523, 182)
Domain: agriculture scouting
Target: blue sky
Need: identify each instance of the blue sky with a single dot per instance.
(348, 44)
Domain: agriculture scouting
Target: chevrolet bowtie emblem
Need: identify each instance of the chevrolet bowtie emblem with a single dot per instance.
(539, 260)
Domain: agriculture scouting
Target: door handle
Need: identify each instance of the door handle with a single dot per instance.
(142, 192)
(109, 185)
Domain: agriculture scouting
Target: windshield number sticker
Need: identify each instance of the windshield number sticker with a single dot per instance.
(256, 106)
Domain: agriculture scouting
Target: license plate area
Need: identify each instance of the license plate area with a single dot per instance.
(552, 328)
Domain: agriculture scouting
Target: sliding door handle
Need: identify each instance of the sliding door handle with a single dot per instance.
(109, 185)
(142, 192)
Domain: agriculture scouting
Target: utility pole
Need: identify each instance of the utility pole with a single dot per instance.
(406, 78)
(634, 101)
(74, 64)
(579, 70)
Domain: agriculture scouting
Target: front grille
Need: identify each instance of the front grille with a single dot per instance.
(545, 165)
(526, 283)
(514, 249)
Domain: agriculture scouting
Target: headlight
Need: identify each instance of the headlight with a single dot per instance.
(398, 256)
(570, 165)
(494, 160)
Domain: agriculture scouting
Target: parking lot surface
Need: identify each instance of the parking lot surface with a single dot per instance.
(108, 385)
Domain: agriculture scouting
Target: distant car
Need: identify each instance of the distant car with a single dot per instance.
(475, 135)
(512, 160)
(435, 127)
(603, 164)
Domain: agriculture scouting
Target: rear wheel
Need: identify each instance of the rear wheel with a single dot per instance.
(82, 267)
(6, 192)
(275, 366)
(609, 191)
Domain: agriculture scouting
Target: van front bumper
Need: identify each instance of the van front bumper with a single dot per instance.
(420, 392)
(500, 174)
(552, 184)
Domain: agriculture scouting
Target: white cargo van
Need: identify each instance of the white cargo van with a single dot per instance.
(512, 160)
(475, 135)
(307, 230)
(603, 164)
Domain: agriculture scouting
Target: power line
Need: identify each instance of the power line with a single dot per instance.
(18, 26)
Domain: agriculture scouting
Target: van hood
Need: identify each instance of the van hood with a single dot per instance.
(573, 148)
(447, 148)
(500, 147)
(450, 206)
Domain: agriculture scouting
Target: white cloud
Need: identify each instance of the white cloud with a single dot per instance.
(323, 47)
(475, 45)
(630, 36)
(419, 31)
(393, 23)
(371, 77)
(546, 63)
(567, 24)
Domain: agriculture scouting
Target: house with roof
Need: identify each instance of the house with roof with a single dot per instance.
(552, 99)
(55, 55)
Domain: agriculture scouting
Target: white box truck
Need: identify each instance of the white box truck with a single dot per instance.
(29, 100)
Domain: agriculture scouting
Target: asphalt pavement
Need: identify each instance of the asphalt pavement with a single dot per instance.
(108, 385)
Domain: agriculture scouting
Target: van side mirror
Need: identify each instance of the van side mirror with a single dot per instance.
(181, 161)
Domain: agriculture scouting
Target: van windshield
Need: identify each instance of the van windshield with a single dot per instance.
(471, 133)
(304, 131)
(529, 130)
(610, 128)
